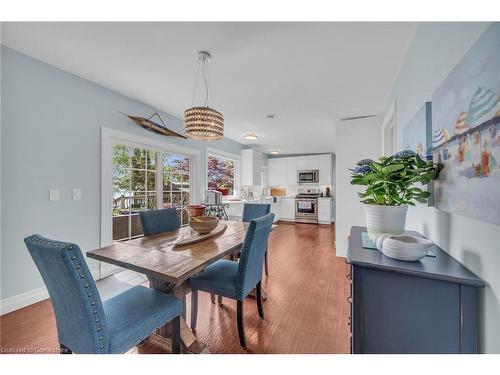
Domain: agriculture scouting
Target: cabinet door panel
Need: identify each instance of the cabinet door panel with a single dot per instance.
(395, 313)
(291, 171)
(325, 169)
(281, 172)
(272, 172)
(287, 209)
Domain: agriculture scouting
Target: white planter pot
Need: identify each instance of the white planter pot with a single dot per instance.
(385, 219)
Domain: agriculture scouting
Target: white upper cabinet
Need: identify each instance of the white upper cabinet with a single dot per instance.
(283, 171)
(291, 171)
(325, 169)
(272, 167)
(276, 172)
(251, 166)
(307, 163)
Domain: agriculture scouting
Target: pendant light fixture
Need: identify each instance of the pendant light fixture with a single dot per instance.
(203, 123)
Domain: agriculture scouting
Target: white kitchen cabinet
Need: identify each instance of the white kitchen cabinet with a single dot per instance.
(287, 209)
(276, 172)
(308, 162)
(275, 209)
(324, 210)
(290, 171)
(272, 175)
(283, 171)
(325, 169)
(251, 167)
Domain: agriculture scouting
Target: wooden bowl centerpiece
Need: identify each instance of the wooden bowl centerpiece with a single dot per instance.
(203, 224)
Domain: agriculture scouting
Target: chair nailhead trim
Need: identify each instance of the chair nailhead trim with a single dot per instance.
(90, 294)
(69, 247)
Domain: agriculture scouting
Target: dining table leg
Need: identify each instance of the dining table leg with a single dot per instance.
(188, 339)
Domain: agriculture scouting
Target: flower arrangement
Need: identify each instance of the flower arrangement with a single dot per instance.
(390, 181)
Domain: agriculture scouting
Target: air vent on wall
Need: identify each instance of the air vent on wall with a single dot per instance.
(356, 117)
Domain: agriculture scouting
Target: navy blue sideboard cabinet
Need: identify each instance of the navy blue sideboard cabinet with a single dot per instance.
(429, 306)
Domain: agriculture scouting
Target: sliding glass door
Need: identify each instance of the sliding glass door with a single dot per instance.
(146, 179)
(176, 183)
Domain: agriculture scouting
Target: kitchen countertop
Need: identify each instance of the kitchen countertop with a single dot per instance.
(243, 200)
(257, 200)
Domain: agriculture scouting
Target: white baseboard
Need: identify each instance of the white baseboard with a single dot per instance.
(22, 300)
(19, 301)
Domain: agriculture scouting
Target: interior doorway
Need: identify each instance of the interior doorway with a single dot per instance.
(389, 131)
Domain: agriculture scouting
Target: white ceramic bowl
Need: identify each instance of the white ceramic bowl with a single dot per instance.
(404, 247)
(378, 239)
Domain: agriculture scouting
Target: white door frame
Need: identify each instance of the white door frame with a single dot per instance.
(110, 136)
(388, 123)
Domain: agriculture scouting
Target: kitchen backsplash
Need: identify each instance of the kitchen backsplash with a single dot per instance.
(290, 190)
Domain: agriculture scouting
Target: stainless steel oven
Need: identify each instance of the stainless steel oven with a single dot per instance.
(306, 206)
(308, 177)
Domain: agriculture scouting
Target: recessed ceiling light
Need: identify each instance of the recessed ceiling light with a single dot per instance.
(274, 152)
(250, 136)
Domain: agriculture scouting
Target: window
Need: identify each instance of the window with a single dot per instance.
(146, 179)
(176, 187)
(222, 174)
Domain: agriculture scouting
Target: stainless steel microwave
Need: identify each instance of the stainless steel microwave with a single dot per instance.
(308, 177)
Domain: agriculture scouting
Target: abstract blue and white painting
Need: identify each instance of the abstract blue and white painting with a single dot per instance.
(417, 134)
(466, 132)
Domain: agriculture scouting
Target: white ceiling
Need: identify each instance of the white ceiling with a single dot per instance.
(308, 74)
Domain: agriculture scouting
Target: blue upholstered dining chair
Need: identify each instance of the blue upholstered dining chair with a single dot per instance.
(159, 221)
(236, 280)
(85, 324)
(253, 211)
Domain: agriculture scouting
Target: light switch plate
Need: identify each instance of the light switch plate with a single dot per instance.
(53, 195)
(77, 194)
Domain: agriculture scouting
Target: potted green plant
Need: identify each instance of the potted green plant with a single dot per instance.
(391, 184)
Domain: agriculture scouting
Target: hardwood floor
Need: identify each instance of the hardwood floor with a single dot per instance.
(306, 310)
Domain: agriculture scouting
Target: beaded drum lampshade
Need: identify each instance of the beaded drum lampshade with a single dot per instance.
(202, 122)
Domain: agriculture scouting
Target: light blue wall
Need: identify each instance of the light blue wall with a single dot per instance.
(51, 139)
(435, 50)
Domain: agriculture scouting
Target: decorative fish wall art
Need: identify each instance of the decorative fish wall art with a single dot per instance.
(147, 124)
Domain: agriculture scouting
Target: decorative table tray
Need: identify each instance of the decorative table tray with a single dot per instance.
(193, 237)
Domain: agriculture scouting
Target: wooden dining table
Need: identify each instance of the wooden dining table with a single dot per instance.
(168, 267)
